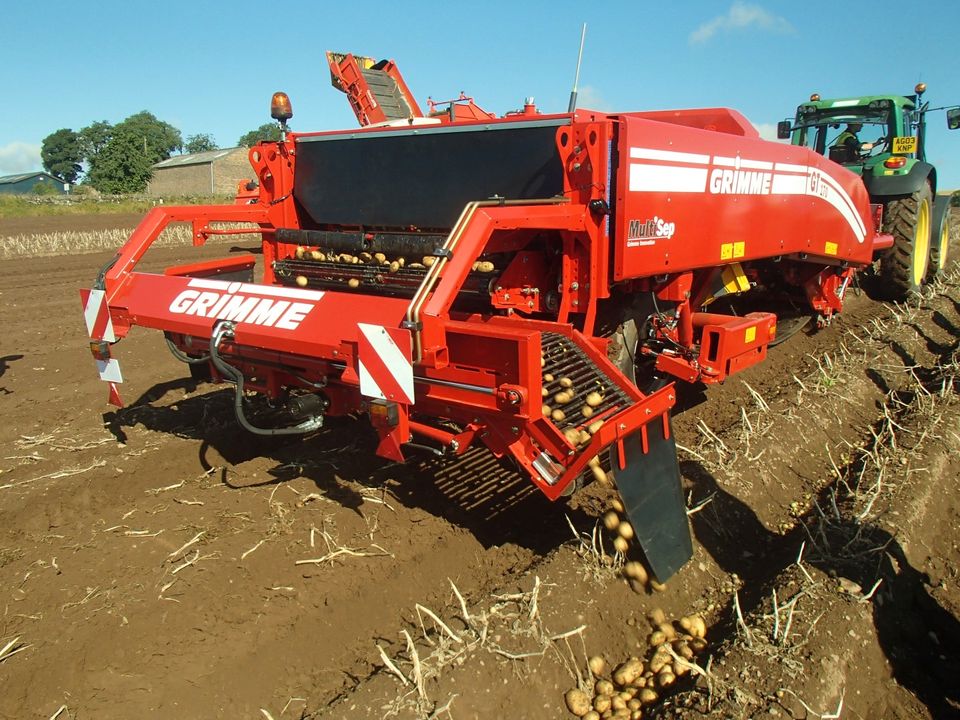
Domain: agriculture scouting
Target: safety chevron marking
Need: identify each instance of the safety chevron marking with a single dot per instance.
(384, 364)
(97, 315)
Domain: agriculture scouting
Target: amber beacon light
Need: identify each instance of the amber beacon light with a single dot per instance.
(280, 108)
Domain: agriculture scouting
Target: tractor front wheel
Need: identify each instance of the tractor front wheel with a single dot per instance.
(903, 267)
(940, 242)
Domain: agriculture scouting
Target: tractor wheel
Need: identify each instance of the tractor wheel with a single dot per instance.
(940, 240)
(903, 267)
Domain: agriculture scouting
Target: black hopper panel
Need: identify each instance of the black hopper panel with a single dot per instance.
(423, 177)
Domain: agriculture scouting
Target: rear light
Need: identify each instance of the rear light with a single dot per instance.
(895, 162)
(100, 350)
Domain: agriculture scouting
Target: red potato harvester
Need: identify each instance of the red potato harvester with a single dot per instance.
(535, 283)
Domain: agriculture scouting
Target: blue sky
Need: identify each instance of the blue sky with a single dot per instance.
(210, 67)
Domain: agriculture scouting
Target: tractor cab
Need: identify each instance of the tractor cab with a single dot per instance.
(872, 135)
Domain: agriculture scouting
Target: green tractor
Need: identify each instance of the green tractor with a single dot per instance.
(882, 138)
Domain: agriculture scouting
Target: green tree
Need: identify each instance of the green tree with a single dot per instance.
(125, 163)
(93, 139)
(201, 142)
(62, 154)
(268, 131)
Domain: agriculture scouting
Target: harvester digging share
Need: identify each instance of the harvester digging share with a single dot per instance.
(533, 283)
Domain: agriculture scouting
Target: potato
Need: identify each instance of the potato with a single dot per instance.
(302, 281)
(665, 678)
(597, 665)
(615, 503)
(577, 702)
(484, 267)
(379, 257)
(595, 425)
(620, 545)
(586, 411)
(611, 520)
(656, 638)
(546, 410)
(543, 361)
(566, 382)
(401, 261)
(584, 437)
(659, 660)
(548, 378)
(317, 255)
(415, 266)
(681, 648)
(599, 475)
(627, 672)
(647, 696)
(366, 257)
(634, 704)
(603, 687)
(626, 530)
(601, 703)
(429, 260)
(635, 569)
(394, 266)
(658, 586)
(544, 392)
(668, 630)
(698, 645)
(594, 461)
(679, 668)
(657, 617)
(563, 397)
(699, 629)
(592, 715)
(299, 252)
(593, 399)
(618, 703)
(572, 435)
(558, 415)
(353, 282)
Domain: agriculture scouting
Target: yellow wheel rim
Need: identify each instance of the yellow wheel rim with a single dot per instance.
(944, 248)
(921, 242)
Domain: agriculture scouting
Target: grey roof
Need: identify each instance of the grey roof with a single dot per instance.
(196, 158)
(13, 179)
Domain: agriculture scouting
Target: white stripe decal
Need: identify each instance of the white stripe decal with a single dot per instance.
(789, 167)
(254, 289)
(109, 370)
(96, 307)
(667, 178)
(391, 355)
(639, 153)
(789, 185)
(739, 162)
(368, 386)
(848, 210)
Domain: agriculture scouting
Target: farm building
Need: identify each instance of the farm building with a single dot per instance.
(214, 172)
(26, 183)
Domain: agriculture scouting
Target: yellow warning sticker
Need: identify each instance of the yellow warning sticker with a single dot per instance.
(726, 251)
(830, 248)
(739, 249)
(904, 145)
(750, 335)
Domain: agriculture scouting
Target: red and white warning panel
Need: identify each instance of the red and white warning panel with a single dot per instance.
(384, 363)
(97, 315)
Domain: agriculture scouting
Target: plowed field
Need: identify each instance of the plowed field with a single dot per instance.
(159, 562)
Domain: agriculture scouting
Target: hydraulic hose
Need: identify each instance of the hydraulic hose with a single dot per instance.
(175, 351)
(226, 329)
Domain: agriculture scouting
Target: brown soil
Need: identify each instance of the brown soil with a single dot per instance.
(148, 556)
(10, 227)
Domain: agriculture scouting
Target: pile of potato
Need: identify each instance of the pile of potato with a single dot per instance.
(576, 430)
(635, 683)
(379, 259)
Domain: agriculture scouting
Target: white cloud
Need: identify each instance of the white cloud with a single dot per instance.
(589, 97)
(19, 157)
(740, 15)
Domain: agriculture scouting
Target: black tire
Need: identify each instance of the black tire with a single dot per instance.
(903, 268)
(940, 251)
